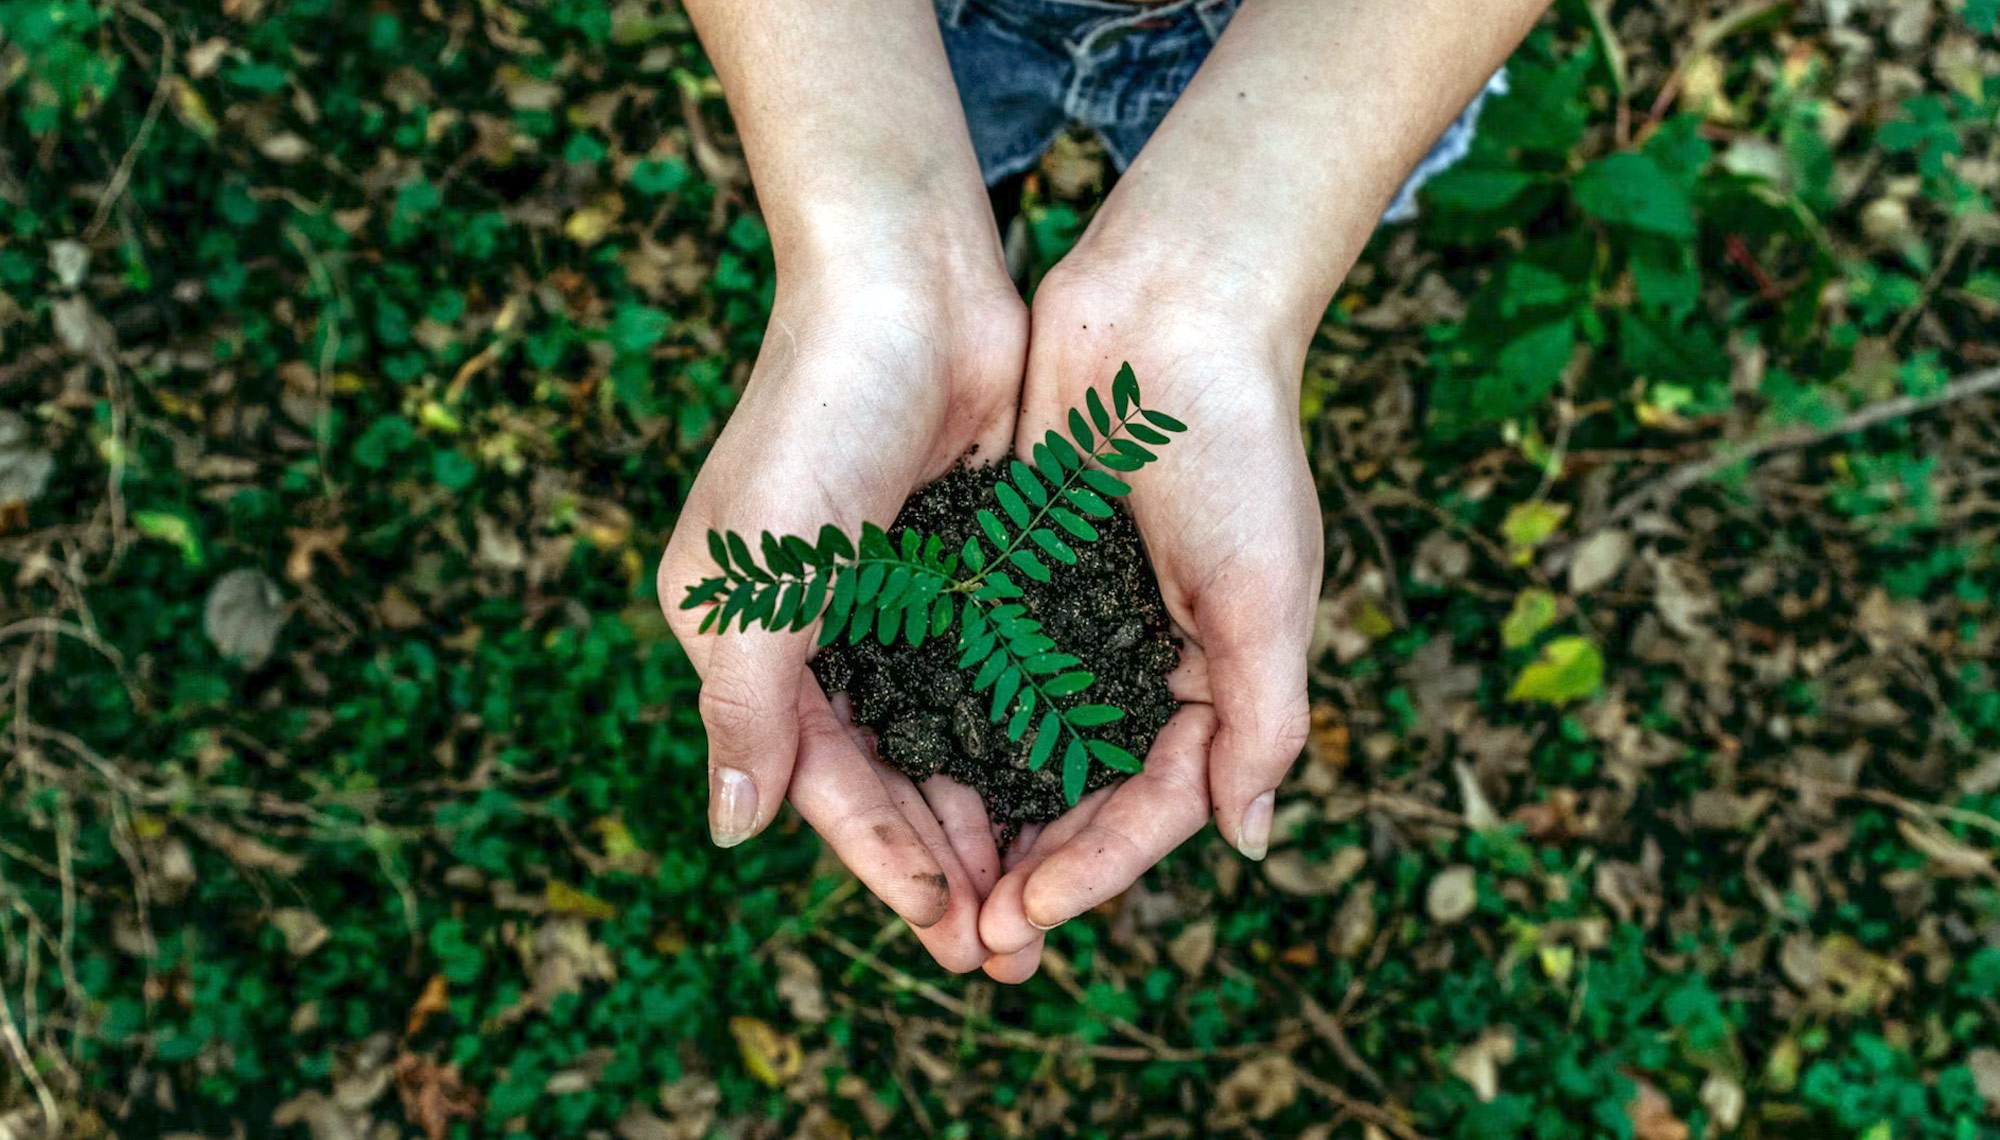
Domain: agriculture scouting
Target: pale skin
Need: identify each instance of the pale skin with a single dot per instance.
(897, 342)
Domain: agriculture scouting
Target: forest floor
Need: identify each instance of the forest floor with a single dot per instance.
(354, 359)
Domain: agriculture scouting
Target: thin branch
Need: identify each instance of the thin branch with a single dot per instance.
(115, 188)
(1689, 475)
(11, 1034)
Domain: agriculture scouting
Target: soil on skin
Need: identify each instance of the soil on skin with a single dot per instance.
(1106, 610)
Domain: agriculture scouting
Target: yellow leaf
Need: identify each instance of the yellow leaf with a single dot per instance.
(1528, 525)
(1569, 669)
(618, 842)
(589, 225)
(1534, 611)
(771, 1057)
(565, 899)
(1558, 962)
(147, 826)
(191, 109)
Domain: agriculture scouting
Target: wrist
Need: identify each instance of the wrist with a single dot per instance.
(1175, 294)
(1247, 281)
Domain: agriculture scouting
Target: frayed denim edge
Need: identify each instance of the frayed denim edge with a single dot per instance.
(1449, 150)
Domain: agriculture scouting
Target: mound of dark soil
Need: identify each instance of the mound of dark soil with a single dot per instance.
(1106, 610)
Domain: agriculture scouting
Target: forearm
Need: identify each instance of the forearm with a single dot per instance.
(1275, 165)
(852, 128)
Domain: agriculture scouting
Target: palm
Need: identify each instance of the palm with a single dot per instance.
(853, 403)
(1231, 521)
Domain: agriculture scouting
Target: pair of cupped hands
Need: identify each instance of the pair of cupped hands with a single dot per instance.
(874, 379)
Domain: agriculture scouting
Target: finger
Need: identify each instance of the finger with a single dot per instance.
(1013, 969)
(1024, 843)
(838, 791)
(953, 940)
(1259, 691)
(1003, 923)
(1146, 818)
(962, 815)
(750, 702)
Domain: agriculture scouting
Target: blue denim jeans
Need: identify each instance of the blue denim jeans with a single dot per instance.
(1028, 68)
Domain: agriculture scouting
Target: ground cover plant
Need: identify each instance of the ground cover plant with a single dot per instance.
(353, 360)
(921, 584)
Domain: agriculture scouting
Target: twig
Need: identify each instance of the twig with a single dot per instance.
(11, 1033)
(1357, 506)
(116, 187)
(1359, 1109)
(1688, 475)
(1917, 309)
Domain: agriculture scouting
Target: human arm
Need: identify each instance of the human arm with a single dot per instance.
(1208, 268)
(895, 344)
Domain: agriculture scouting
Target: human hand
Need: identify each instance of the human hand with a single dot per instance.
(1231, 522)
(871, 382)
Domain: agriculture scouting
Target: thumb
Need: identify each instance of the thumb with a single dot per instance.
(1259, 691)
(749, 705)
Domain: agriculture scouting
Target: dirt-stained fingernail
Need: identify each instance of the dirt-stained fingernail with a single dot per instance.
(732, 806)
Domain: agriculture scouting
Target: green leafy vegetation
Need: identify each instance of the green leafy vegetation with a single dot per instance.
(354, 361)
(913, 588)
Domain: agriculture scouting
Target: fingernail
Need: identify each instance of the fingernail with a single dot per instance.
(1253, 834)
(732, 806)
(1049, 927)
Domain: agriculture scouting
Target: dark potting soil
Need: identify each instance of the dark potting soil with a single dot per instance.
(1106, 610)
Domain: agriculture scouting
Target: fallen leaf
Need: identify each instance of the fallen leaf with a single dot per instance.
(1529, 525)
(1534, 610)
(70, 260)
(799, 987)
(285, 146)
(1652, 1114)
(1293, 873)
(1724, 1099)
(1192, 948)
(302, 929)
(1478, 1064)
(1598, 560)
(565, 899)
(1354, 922)
(1949, 855)
(1569, 669)
(309, 543)
(1453, 894)
(433, 1095)
(1258, 1090)
(772, 1057)
(1985, 1066)
(24, 468)
(434, 1000)
(243, 615)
